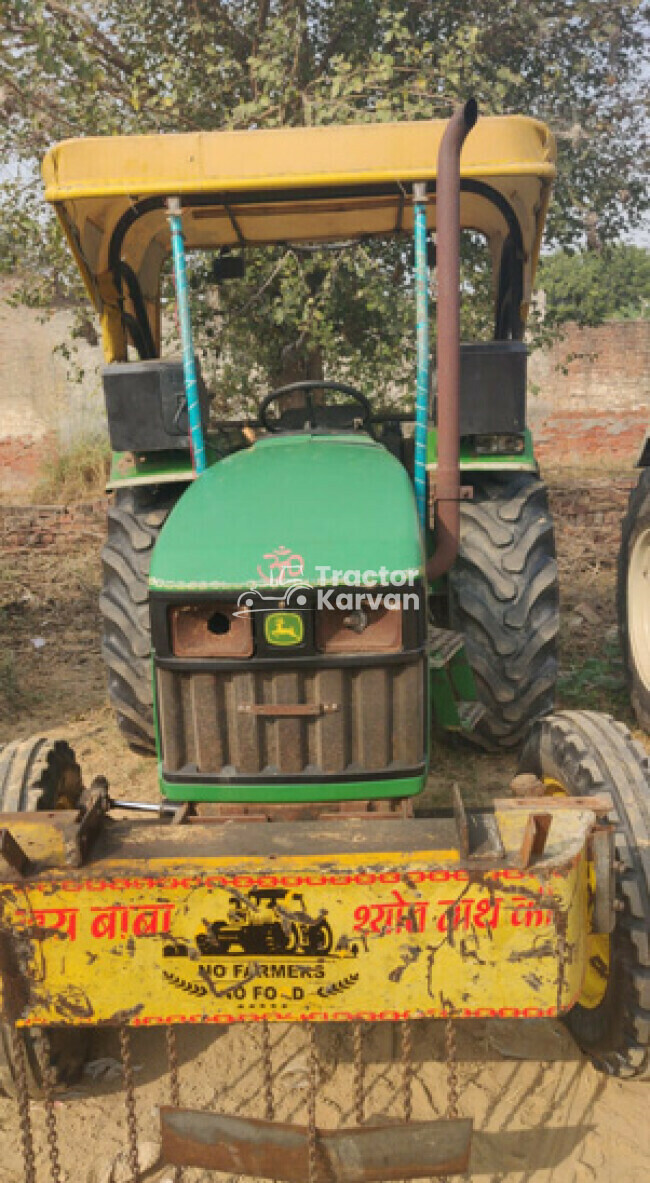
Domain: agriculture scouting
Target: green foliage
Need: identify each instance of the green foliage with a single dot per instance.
(595, 286)
(594, 683)
(78, 67)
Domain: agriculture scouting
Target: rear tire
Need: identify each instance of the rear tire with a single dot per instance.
(633, 598)
(589, 753)
(39, 774)
(135, 520)
(503, 596)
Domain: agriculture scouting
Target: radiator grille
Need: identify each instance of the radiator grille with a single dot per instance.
(377, 725)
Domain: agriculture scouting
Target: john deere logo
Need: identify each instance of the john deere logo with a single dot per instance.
(284, 628)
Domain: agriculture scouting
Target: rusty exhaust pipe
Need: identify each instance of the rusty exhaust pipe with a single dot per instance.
(447, 489)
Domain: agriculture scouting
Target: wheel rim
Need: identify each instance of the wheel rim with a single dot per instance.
(638, 605)
(599, 944)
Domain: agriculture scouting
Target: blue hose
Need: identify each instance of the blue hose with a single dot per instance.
(422, 333)
(197, 441)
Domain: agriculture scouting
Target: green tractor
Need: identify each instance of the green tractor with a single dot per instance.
(285, 621)
(285, 466)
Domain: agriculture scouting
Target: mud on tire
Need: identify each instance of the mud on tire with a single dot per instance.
(633, 598)
(591, 753)
(503, 596)
(135, 520)
(36, 774)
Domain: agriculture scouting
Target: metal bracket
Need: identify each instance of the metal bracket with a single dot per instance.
(534, 839)
(12, 853)
(603, 853)
(286, 709)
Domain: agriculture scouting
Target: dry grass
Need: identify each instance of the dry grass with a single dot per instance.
(74, 473)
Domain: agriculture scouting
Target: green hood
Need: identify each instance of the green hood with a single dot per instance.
(305, 505)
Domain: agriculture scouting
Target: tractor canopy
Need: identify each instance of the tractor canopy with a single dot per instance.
(253, 188)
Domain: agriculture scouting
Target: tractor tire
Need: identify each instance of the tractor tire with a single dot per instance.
(503, 596)
(633, 598)
(39, 774)
(320, 939)
(586, 753)
(135, 520)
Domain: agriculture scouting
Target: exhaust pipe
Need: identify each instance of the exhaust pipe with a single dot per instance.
(447, 493)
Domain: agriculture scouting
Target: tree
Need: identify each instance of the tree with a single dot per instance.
(594, 286)
(80, 67)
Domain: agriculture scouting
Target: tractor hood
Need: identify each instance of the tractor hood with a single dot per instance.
(315, 509)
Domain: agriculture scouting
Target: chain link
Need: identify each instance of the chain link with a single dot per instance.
(267, 1066)
(47, 1073)
(22, 1101)
(129, 1097)
(357, 1036)
(311, 1104)
(407, 1069)
(452, 1069)
(561, 928)
(174, 1083)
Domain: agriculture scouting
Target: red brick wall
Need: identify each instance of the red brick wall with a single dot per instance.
(606, 367)
(590, 393)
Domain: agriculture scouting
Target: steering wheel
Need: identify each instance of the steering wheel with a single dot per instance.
(311, 410)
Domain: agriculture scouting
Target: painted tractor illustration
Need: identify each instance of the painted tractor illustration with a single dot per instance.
(267, 921)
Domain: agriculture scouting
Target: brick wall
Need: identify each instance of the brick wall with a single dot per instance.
(606, 367)
(589, 396)
(23, 526)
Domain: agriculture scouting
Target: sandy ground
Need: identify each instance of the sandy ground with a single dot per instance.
(542, 1114)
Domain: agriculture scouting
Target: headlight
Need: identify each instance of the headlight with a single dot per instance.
(211, 630)
(359, 629)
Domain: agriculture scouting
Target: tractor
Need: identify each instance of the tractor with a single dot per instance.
(292, 623)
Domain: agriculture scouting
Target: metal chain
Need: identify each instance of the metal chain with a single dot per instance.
(452, 1079)
(311, 1105)
(561, 927)
(174, 1083)
(22, 1101)
(267, 1065)
(452, 1069)
(47, 1072)
(357, 1035)
(407, 1068)
(129, 1097)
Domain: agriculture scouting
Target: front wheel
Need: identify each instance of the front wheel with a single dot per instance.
(633, 598)
(585, 753)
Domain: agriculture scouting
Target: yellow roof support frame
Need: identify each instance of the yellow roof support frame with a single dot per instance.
(316, 184)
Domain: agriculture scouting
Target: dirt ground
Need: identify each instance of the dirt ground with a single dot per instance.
(542, 1114)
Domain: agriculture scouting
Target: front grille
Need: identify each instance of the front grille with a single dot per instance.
(373, 722)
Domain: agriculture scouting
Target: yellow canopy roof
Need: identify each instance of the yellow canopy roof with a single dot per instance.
(285, 185)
